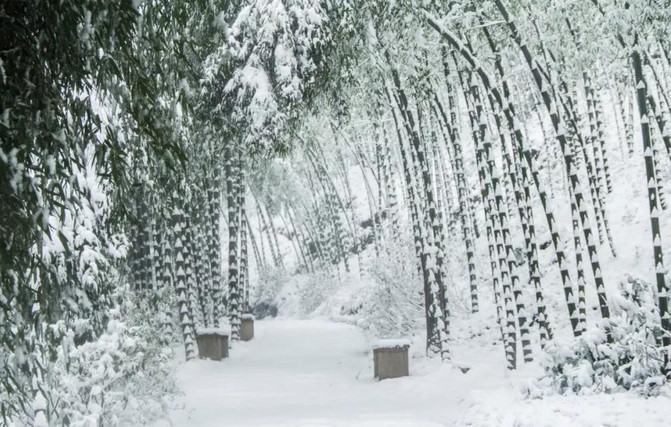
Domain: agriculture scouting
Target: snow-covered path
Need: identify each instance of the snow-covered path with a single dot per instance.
(298, 373)
(318, 373)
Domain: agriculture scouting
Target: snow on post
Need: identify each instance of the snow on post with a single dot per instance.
(391, 343)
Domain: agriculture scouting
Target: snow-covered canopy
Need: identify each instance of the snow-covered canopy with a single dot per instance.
(260, 77)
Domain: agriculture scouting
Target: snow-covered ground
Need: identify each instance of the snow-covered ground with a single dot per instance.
(320, 373)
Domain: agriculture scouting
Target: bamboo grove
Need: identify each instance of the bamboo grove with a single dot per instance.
(464, 124)
(178, 151)
(444, 143)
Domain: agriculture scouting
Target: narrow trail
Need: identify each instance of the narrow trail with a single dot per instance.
(300, 373)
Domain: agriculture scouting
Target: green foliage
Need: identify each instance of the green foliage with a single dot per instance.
(590, 364)
(122, 377)
(87, 89)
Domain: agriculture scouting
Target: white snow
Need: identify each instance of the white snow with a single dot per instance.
(214, 331)
(319, 373)
(389, 343)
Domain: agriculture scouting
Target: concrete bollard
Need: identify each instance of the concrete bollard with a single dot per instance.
(390, 359)
(212, 344)
(246, 327)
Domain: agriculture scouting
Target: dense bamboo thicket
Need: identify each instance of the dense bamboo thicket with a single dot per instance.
(147, 146)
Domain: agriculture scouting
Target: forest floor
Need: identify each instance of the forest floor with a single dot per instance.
(320, 373)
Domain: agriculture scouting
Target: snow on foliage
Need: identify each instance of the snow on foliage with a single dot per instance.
(392, 304)
(272, 56)
(589, 364)
(316, 290)
(265, 298)
(111, 181)
(123, 377)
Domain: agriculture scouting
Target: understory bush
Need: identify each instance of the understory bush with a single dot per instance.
(269, 286)
(393, 304)
(633, 361)
(122, 377)
(315, 289)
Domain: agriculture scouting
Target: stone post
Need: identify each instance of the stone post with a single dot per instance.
(212, 344)
(247, 327)
(390, 359)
